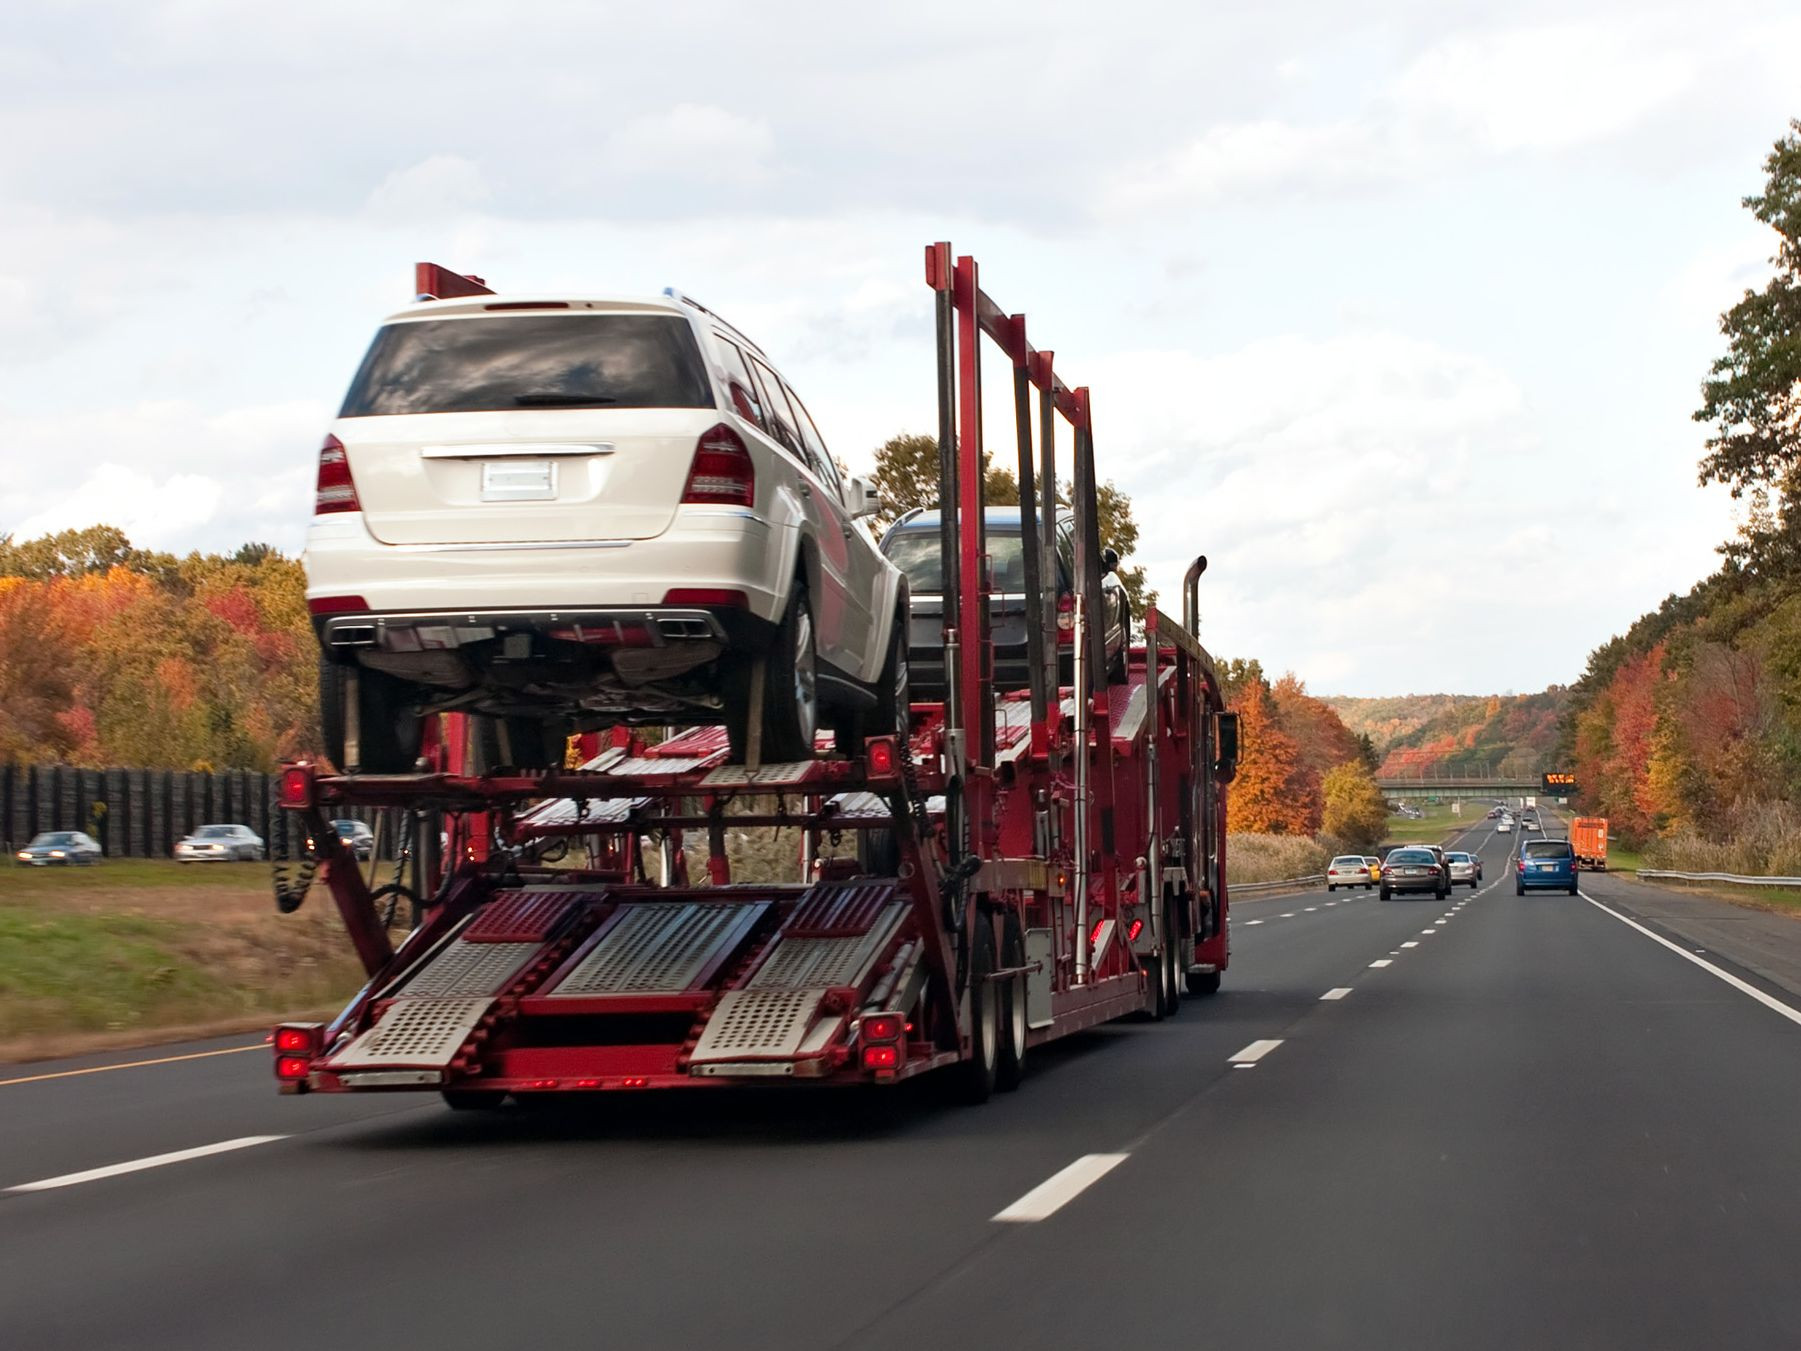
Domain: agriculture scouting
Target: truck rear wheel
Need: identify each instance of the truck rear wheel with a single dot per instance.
(473, 1099)
(976, 1077)
(1010, 1068)
(1203, 983)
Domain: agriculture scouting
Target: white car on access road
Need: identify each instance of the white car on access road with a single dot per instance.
(563, 512)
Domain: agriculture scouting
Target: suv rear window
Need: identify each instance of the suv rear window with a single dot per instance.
(1545, 849)
(916, 551)
(530, 361)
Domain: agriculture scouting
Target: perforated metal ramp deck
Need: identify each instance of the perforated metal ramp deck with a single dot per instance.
(660, 947)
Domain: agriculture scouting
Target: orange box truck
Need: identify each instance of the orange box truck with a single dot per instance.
(1588, 840)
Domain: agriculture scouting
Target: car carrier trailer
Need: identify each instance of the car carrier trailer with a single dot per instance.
(1030, 862)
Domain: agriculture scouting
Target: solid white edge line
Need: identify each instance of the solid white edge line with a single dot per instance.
(1743, 987)
(1060, 1188)
(1255, 1051)
(138, 1165)
(1338, 992)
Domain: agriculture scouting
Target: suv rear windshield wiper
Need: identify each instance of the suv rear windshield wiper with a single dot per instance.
(557, 399)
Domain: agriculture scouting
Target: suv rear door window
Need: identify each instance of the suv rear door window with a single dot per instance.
(530, 361)
(821, 457)
(743, 385)
(775, 409)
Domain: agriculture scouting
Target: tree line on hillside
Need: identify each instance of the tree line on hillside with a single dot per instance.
(1497, 734)
(111, 655)
(1685, 731)
(1301, 771)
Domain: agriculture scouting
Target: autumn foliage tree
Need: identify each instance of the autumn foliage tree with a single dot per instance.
(111, 655)
(1354, 810)
(1263, 797)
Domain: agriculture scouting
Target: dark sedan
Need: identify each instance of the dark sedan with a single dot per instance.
(59, 849)
(913, 544)
(1411, 871)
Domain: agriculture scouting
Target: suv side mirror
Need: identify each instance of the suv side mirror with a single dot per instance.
(1109, 560)
(861, 499)
(1225, 767)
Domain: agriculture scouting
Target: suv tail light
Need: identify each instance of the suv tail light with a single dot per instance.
(1066, 619)
(722, 470)
(334, 491)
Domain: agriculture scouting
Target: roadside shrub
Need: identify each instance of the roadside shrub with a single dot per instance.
(1273, 858)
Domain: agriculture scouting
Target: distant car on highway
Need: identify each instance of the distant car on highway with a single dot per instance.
(1349, 870)
(1504, 826)
(220, 844)
(354, 833)
(1545, 865)
(59, 849)
(1465, 867)
(1375, 867)
(1411, 870)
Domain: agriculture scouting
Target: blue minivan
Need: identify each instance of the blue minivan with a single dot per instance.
(1546, 865)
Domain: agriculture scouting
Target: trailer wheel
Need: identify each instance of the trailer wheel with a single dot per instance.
(473, 1099)
(1175, 962)
(388, 727)
(976, 1076)
(1203, 983)
(1010, 1067)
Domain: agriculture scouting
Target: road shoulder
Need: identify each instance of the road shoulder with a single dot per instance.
(1763, 943)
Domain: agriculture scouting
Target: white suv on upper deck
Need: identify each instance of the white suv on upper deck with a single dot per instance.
(561, 513)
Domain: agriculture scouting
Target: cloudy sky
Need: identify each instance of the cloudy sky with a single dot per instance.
(1397, 312)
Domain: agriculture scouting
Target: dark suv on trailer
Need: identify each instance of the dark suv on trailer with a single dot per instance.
(913, 545)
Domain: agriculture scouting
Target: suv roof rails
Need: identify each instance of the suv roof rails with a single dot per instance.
(738, 335)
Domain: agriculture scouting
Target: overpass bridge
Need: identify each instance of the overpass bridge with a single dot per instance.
(1455, 787)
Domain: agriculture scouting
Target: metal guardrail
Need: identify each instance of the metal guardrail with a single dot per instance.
(1317, 879)
(1660, 875)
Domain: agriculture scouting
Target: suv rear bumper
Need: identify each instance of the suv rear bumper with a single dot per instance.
(727, 549)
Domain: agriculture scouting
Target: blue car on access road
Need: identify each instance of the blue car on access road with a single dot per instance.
(1545, 865)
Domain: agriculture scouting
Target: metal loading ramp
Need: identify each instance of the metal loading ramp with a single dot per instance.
(831, 942)
(659, 947)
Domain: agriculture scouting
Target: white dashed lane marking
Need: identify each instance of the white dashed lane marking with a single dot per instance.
(1255, 1052)
(1380, 961)
(139, 1165)
(1060, 1188)
(1338, 993)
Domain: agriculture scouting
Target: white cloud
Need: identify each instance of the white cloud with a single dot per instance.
(693, 140)
(439, 185)
(1542, 88)
(1250, 160)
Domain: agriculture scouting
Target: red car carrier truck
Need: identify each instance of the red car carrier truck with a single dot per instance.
(1029, 862)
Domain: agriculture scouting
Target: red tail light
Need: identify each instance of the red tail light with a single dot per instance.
(1066, 619)
(334, 490)
(1133, 932)
(882, 756)
(298, 1039)
(722, 470)
(883, 1027)
(292, 1068)
(297, 787)
(881, 1056)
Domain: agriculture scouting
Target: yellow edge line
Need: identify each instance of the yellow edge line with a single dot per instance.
(131, 1064)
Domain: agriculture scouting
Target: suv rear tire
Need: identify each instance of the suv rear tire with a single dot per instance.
(790, 711)
(389, 727)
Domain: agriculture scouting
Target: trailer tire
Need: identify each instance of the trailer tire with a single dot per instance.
(1175, 965)
(975, 1077)
(473, 1099)
(1010, 1067)
(1203, 983)
(388, 729)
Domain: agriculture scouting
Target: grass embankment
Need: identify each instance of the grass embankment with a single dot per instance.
(1437, 822)
(139, 950)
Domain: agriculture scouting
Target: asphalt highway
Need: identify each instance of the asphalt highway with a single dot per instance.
(1491, 1121)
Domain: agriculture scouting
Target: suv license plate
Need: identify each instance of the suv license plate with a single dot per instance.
(519, 480)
